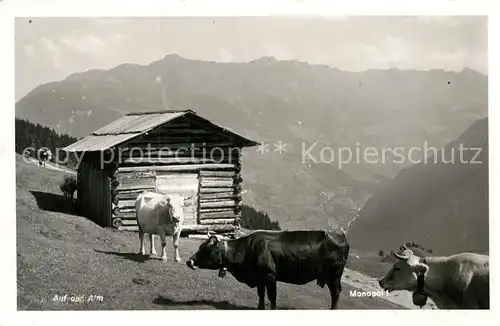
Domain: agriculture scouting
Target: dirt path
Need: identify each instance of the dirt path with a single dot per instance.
(50, 166)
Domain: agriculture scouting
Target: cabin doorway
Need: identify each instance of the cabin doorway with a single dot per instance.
(185, 184)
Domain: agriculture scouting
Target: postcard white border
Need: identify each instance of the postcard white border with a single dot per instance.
(123, 8)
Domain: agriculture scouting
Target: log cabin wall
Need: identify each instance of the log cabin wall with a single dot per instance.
(182, 156)
(94, 192)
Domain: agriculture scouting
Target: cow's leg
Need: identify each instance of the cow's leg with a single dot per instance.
(163, 240)
(175, 240)
(142, 251)
(335, 286)
(152, 244)
(271, 293)
(261, 291)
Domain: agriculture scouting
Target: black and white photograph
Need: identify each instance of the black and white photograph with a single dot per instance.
(264, 162)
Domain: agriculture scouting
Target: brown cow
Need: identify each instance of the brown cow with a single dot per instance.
(262, 258)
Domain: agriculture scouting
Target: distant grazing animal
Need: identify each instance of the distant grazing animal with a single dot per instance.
(68, 187)
(160, 214)
(262, 258)
(43, 156)
(459, 281)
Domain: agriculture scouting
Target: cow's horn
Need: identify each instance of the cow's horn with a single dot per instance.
(209, 234)
(403, 257)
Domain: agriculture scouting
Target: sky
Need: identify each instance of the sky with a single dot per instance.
(50, 49)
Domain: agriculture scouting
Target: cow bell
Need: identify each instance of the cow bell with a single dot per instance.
(419, 299)
(222, 272)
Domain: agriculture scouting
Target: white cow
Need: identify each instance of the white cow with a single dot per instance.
(160, 214)
(459, 281)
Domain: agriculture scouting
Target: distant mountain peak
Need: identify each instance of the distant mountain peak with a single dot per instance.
(173, 56)
(266, 60)
(470, 71)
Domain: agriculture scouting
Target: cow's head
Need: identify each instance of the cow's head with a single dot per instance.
(172, 207)
(403, 274)
(210, 254)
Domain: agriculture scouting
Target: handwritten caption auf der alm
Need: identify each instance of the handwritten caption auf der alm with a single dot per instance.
(77, 298)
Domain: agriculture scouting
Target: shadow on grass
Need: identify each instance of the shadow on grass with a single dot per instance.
(221, 305)
(133, 256)
(53, 203)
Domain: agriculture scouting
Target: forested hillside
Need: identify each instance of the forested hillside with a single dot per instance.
(254, 220)
(32, 137)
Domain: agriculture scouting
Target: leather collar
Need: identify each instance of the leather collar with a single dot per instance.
(421, 279)
(225, 259)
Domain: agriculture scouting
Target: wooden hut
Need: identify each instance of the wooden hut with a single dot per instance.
(171, 152)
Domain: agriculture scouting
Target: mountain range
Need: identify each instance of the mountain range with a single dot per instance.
(304, 106)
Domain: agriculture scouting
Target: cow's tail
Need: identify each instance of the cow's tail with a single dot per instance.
(138, 204)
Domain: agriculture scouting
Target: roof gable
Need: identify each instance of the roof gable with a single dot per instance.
(136, 124)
